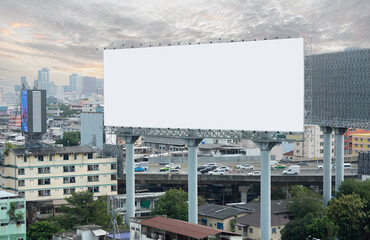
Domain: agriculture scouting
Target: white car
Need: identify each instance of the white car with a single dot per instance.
(172, 165)
(217, 172)
(321, 167)
(224, 168)
(249, 167)
(255, 173)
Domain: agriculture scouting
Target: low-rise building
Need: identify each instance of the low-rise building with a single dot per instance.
(218, 216)
(360, 143)
(12, 224)
(249, 226)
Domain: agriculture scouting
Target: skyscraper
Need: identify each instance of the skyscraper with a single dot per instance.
(89, 85)
(75, 83)
(43, 78)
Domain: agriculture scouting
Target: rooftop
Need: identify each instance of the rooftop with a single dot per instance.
(254, 220)
(5, 194)
(219, 211)
(52, 150)
(277, 206)
(180, 227)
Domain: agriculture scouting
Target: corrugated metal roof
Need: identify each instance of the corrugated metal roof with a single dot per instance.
(219, 211)
(55, 150)
(180, 227)
(254, 220)
(5, 194)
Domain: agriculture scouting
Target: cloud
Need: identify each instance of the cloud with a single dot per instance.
(19, 24)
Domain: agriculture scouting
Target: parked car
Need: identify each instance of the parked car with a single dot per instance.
(206, 170)
(139, 169)
(279, 166)
(224, 168)
(173, 171)
(165, 169)
(172, 165)
(213, 165)
(201, 168)
(255, 173)
(217, 172)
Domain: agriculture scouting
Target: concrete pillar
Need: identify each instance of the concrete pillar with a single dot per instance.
(265, 148)
(327, 164)
(235, 193)
(243, 193)
(193, 180)
(130, 177)
(339, 156)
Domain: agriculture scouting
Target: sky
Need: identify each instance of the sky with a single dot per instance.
(69, 36)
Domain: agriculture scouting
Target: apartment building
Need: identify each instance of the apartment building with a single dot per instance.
(360, 143)
(312, 147)
(12, 224)
(352, 136)
(54, 173)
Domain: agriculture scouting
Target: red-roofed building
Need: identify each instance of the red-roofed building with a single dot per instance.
(168, 228)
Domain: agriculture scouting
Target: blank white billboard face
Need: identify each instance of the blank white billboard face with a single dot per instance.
(256, 86)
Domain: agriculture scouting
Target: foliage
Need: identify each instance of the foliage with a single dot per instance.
(305, 202)
(257, 199)
(323, 228)
(202, 201)
(83, 210)
(347, 212)
(71, 139)
(173, 204)
(42, 230)
(362, 188)
(296, 229)
(14, 214)
(8, 145)
(299, 191)
(66, 111)
(278, 193)
(233, 223)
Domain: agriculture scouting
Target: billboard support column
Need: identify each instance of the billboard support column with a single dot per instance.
(130, 177)
(193, 180)
(339, 156)
(327, 164)
(265, 207)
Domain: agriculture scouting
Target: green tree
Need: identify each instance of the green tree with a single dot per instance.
(14, 214)
(278, 193)
(65, 110)
(71, 139)
(173, 204)
(202, 201)
(305, 202)
(323, 228)
(297, 229)
(347, 212)
(42, 230)
(83, 210)
(362, 188)
(8, 145)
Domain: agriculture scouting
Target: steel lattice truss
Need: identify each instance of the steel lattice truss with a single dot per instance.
(340, 89)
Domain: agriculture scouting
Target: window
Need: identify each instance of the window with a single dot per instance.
(21, 194)
(90, 156)
(113, 166)
(45, 211)
(93, 189)
(4, 224)
(75, 156)
(250, 230)
(43, 170)
(25, 158)
(273, 230)
(21, 171)
(356, 139)
(113, 188)
(93, 167)
(69, 180)
(93, 178)
(69, 169)
(321, 143)
(20, 222)
(239, 228)
(68, 191)
(50, 157)
(65, 157)
(44, 193)
(40, 158)
(113, 177)
(21, 183)
(20, 205)
(3, 208)
(356, 145)
(321, 150)
(45, 181)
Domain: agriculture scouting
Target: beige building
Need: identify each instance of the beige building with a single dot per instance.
(54, 173)
(219, 216)
(249, 226)
(313, 146)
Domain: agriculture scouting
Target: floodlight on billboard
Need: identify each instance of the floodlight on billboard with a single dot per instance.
(251, 86)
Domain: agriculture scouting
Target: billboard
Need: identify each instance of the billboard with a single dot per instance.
(33, 111)
(24, 111)
(252, 86)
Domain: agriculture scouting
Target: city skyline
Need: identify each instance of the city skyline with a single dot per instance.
(68, 37)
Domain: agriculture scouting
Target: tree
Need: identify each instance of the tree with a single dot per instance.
(347, 212)
(8, 145)
(66, 111)
(278, 193)
(202, 201)
(296, 229)
(42, 230)
(305, 202)
(173, 204)
(71, 139)
(362, 188)
(14, 214)
(83, 210)
(323, 228)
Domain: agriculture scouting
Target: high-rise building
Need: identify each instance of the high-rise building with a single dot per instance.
(351, 137)
(75, 83)
(89, 85)
(43, 78)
